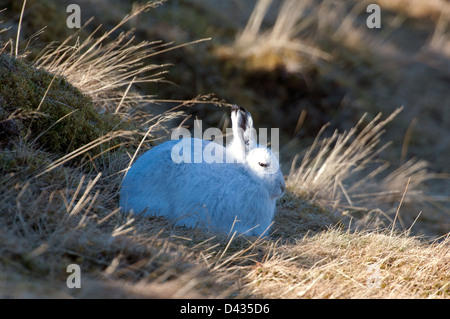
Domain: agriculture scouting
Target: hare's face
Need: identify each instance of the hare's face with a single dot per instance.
(265, 167)
(260, 161)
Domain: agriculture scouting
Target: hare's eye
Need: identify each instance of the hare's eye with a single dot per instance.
(262, 164)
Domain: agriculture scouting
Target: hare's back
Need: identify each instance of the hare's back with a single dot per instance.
(155, 181)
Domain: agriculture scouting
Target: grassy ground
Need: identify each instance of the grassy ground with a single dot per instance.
(348, 226)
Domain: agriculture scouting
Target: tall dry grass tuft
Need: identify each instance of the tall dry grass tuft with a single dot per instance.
(344, 173)
(416, 8)
(280, 43)
(106, 69)
(337, 264)
(330, 161)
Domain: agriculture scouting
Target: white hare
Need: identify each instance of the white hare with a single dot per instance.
(237, 195)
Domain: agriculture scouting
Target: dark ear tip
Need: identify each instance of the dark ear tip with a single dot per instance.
(236, 108)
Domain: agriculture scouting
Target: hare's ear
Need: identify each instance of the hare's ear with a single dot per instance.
(243, 131)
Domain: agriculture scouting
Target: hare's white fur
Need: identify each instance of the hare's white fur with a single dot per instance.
(225, 196)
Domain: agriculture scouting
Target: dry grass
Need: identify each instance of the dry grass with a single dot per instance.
(339, 264)
(440, 41)
(345, 173)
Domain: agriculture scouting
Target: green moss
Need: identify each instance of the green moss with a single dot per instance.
(66, 119)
